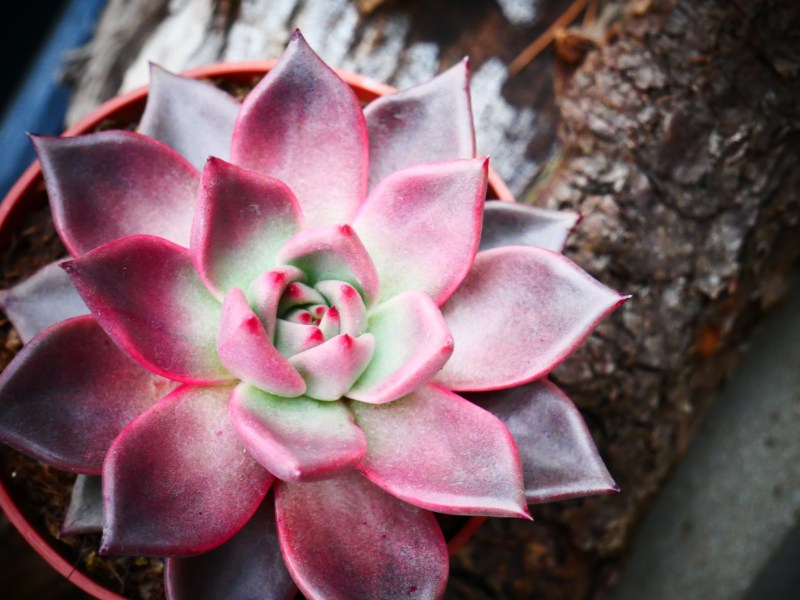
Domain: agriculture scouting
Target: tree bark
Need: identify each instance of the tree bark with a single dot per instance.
(679, 138)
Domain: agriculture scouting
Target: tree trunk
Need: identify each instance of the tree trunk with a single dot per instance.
(679, 138)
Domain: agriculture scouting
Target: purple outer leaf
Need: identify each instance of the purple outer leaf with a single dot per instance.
(192, 117)
(345, 538)
(431, 122)
(331, 368)
(438, 451)
(519, 312)
(516, 224)
(249, 566)
(296, 439)
(85, 510)
(177, 480)
(242, 220)
(149, 299)
(422, 226)
(109, 185)
(47, 297)
(412, 343)
(303, 125)
(68, 394)
(333, 252)
(559, 458)
(246, 351)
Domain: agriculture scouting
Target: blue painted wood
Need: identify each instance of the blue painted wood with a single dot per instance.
(40, 101)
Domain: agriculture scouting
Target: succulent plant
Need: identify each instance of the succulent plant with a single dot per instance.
(265, 354)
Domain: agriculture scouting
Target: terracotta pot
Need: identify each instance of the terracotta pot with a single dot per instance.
(28, 194)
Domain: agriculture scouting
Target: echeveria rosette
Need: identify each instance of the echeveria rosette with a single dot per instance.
(289, 315)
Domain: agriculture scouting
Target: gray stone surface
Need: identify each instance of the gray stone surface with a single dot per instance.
(736, 495)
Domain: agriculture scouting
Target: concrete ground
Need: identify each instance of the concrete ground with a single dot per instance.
(727, 524)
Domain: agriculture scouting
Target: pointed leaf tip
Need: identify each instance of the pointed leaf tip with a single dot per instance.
(112, 184)
(559, 457)
(303, 125)
(512, 296)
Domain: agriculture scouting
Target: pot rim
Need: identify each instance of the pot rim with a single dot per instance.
(365, 88)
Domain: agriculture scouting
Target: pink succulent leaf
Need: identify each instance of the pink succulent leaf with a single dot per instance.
(331, 368)
(520, 312)
(333, 252)
(422, 226)
(194, 118)
(247, 352)
(346, 538)
(348, 303)
(438, 451)
(108, 185)
(147, 296)
(47, 297)
(303, 125)
(242, 219)
(330, 324)
(559, 457)
(431, 122)
(249, 566)
(177, 481)
(516, 224)
(267, 290)
(85, 510)
(68, 394)
(412, 343)
(299, 294)
(292, 338)
(296, 439)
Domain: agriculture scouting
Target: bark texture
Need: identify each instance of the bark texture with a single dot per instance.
(680, 146)
(679, 143)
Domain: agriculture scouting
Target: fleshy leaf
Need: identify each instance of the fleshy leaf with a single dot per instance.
(296, 439)
(247, 352)
(47, 297)
(519, 312)
(292, 338)
(266, 291)
(177, 480)
(108, 185)
(299, 294)
(431, 122)
(303, 125)
(331, 368)
(243, 218)
(422, 226)
(348, 303)
(68, 394)
(194, 118)
(516, 224)
(412, 343)
(346, 538)
(170, 323)
(85, 510)
(438, 451)
(333, 252)
(249, 566)
(559, 457)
